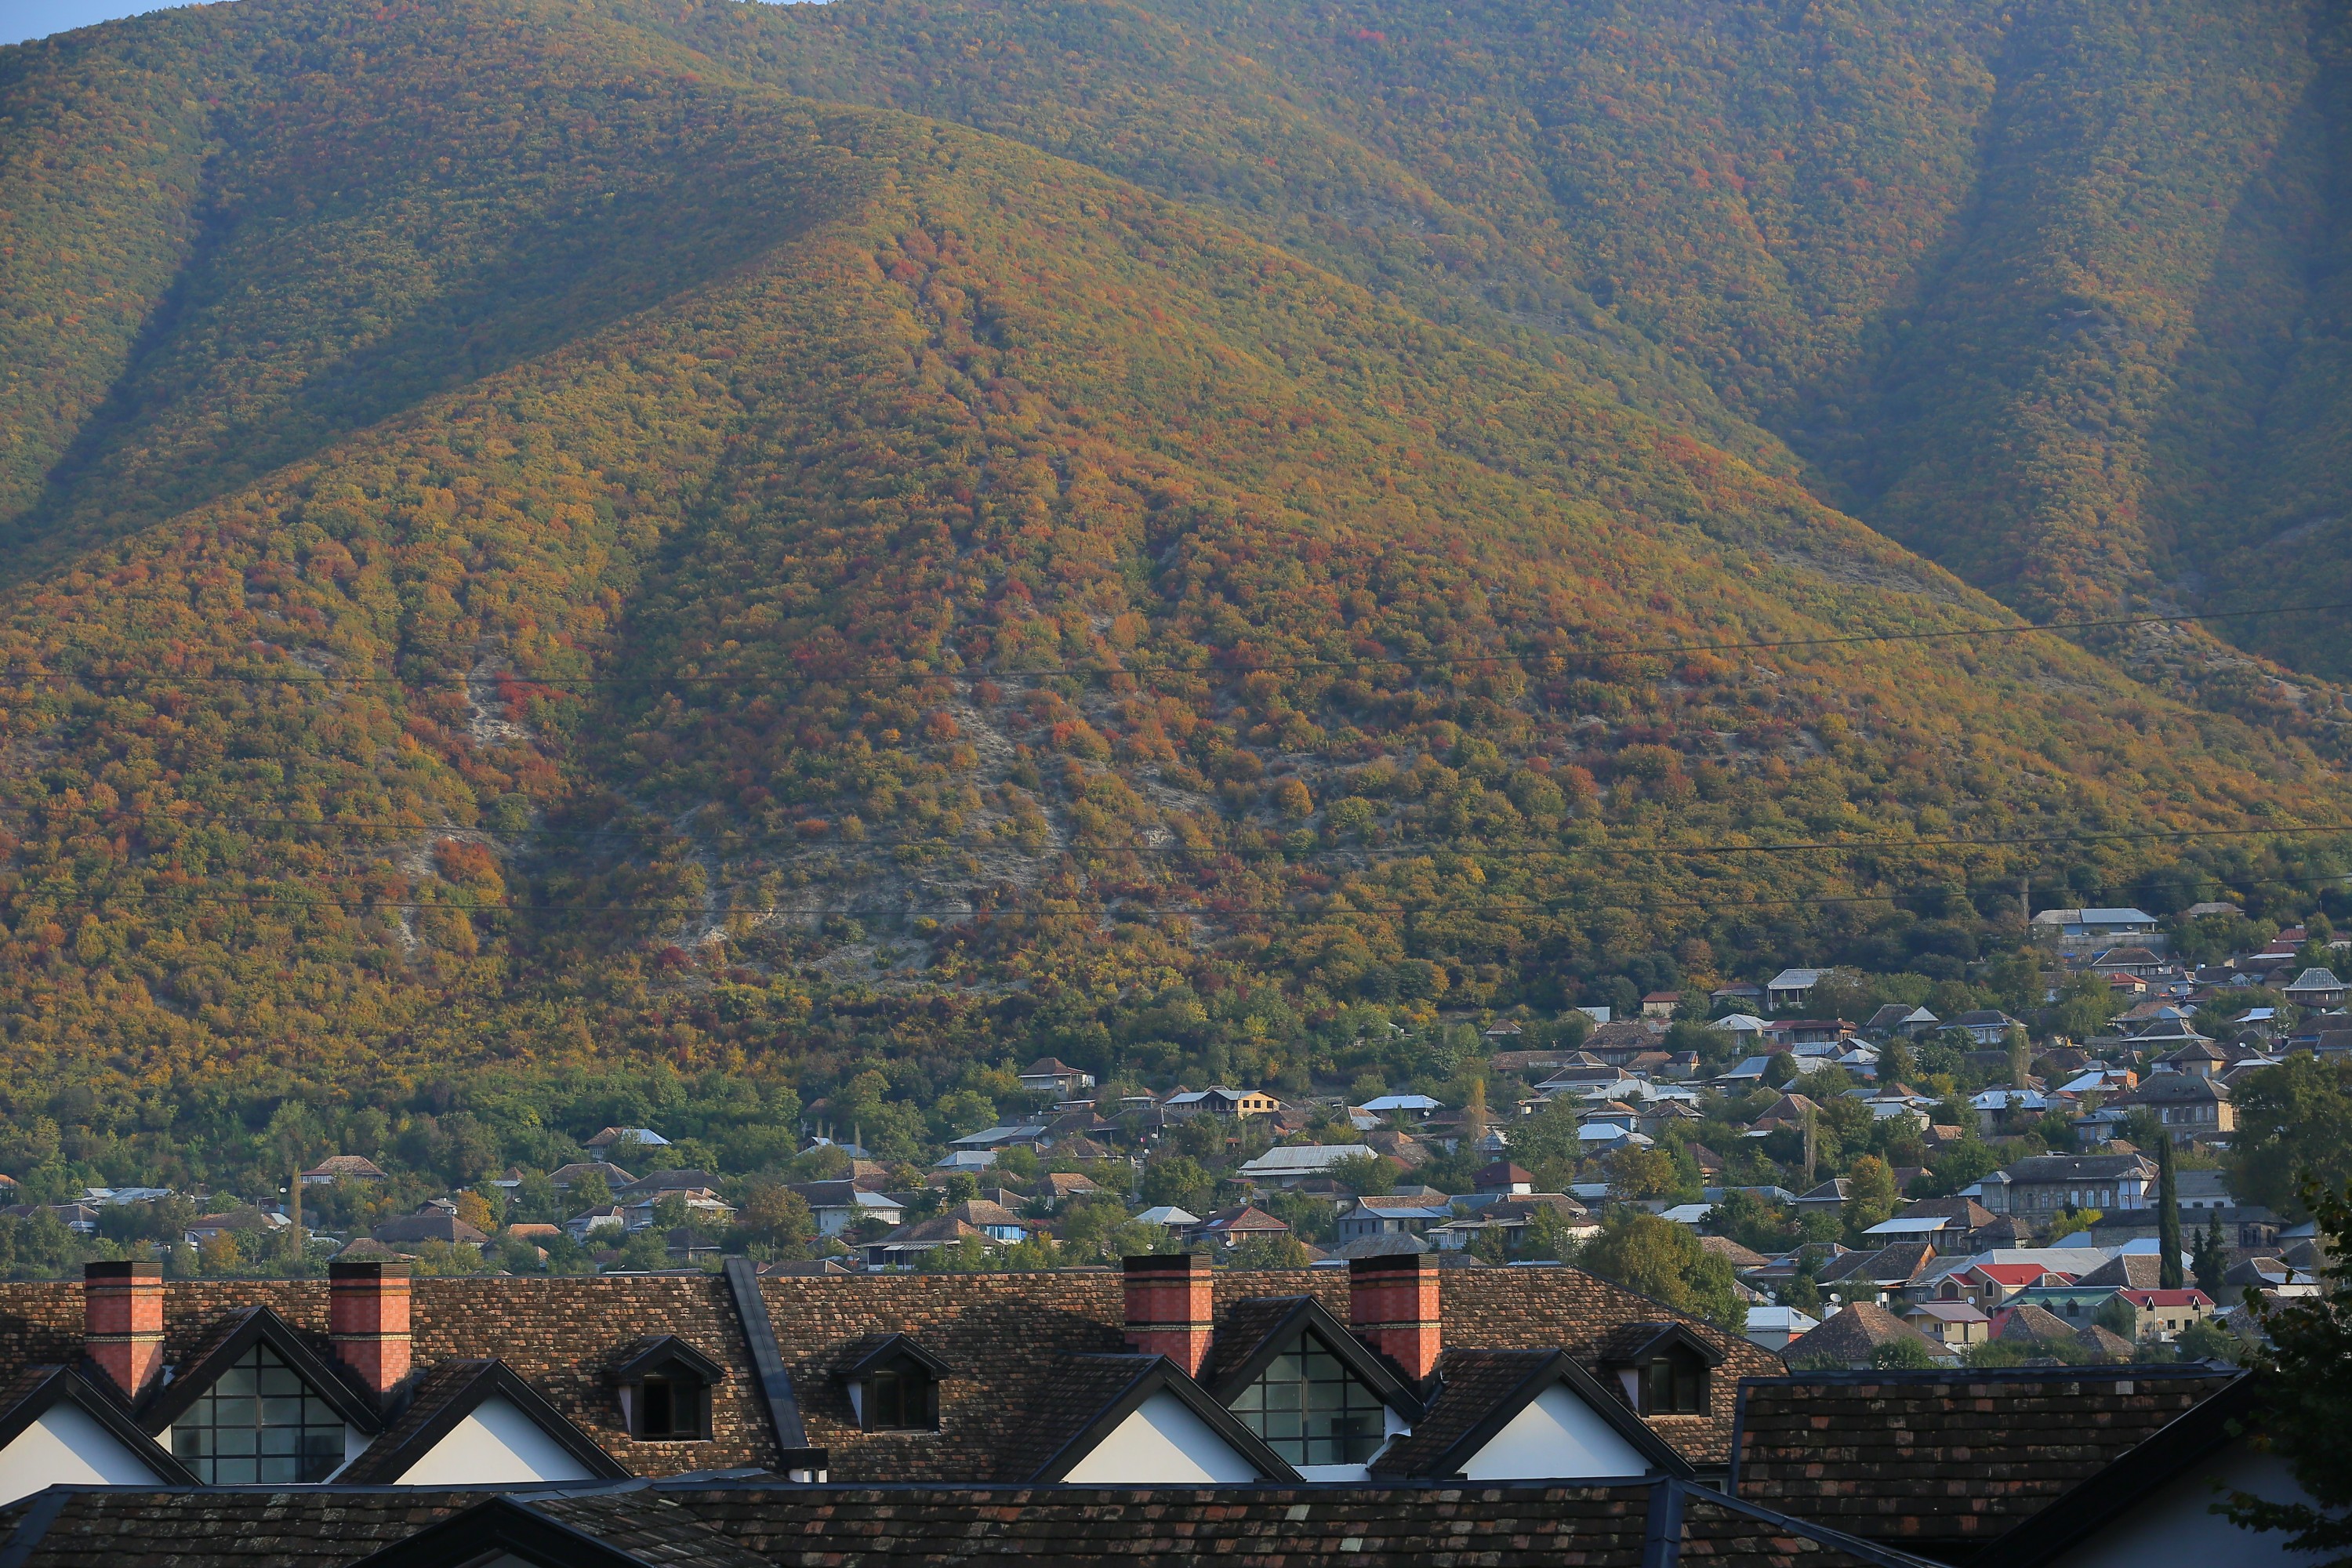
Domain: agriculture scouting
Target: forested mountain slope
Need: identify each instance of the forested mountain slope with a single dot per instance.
(580, 548)
(2044, 290)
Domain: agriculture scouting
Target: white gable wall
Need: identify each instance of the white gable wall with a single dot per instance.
(2174, 1526)
(495, 1444)
(1557, 1436)
(67, 1446)
(1162, 1444)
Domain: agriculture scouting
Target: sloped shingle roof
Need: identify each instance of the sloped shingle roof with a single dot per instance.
(1936, 1460)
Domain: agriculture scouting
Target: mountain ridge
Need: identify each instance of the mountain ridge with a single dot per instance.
(886, 573)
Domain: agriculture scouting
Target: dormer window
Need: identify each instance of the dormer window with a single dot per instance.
(665, 1386)
(1665, 1368)
(1311, 1409)
(1675, 1385)
(259, 1424)
(895, 1387)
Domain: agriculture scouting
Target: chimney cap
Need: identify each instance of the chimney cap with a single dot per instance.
(1392, 1263)
(367, 1269)
(1168, 1263)
(122, 1269)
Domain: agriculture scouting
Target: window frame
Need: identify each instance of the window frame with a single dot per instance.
(1681, 1372)
(685, 1392)
(902, 1375)
(314, 1414)
(691, 1378)
(1356, 1401)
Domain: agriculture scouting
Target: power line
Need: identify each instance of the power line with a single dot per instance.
(897, 673)
(971, 907)
(687, 836)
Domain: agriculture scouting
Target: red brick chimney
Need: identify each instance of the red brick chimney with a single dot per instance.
(122, 1321)
(1392, 1307)
(1171, 1307)
(367, 1321)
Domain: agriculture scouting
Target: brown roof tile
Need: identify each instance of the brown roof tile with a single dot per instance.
(1926, 1459)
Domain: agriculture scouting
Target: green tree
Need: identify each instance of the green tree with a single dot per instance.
(2168, 1217)
(1803, 1290)
(1637, 1173)
(1270, 1252)
(1904, 1352)
(1870, 1194)
(2295, 1124)
(1366, 1176)
(1664, 1260)
(2117, 1315)
(535, 1200)
(1549, 1236)
(1969, 1160)
(2208, 1340)
(2213, 1259)
(1176, 1180)
(775, 1216)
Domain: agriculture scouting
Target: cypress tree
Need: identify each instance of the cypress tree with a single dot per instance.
(2213, 1259)
(2168, 1217)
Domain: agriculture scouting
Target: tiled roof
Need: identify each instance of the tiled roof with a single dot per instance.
(560, 1335)
(1241, 1331)
(1070, 1392)
(447, 1395)
(719, 1525)
(1475, 1382)
(1932, 1460)
(2032, 1323)
(1001, 1330)
(1731, 1252)
(1851, 1336)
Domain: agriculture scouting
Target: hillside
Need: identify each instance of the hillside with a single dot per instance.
(2045, 291)
(555, 544)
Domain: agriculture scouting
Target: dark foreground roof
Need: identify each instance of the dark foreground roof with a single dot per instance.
(1944, 1462)
(718, 1523)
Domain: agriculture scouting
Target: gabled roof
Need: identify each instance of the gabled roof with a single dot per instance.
(444, 1397)
(1266, 1333)
(1243, 1218)
(2144, 1270)
(1093, 1394)
(1853, 1334)
(38, 1390)
(2032, 1324)
(630, 1529)
(884, 1349)
(1632, 1343)
(654, 1352)
(230, 1339)
(1480, 1392)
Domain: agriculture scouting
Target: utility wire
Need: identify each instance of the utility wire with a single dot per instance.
(970, 907)
(1427, 846)
(1412, 661)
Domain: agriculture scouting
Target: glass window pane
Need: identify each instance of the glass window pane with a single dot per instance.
(259, 1423)
(1311, 1410)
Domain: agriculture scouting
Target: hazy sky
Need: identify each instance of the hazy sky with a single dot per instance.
(23, 19)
